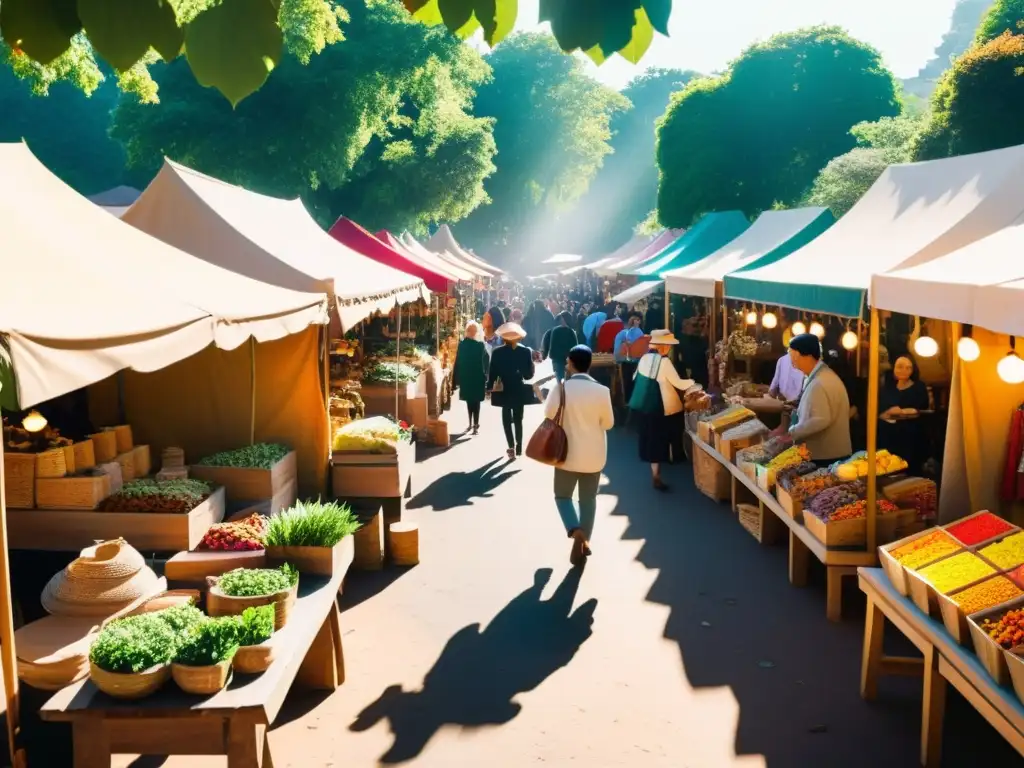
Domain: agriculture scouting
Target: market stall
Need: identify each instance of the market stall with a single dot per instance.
(444, 241)
(635, 250)
(709, 234)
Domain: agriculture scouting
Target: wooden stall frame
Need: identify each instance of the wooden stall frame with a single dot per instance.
(7, 652)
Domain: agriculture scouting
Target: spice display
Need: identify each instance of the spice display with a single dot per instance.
(258, 456)
(378, 434)
(730, 417)
(857, 465)
(988, 593)
(829, 501)
(859, 509)
(787, 476)
(160, 496)
(915, 493)
(390, 373)
(956, 571)
(924, 549)
(747, 429)
(807, 486)
(237, 536)
(793, 455)
(766, 451)
(1007, 630)
(311, 524)
(1007, 553)
(979, 528)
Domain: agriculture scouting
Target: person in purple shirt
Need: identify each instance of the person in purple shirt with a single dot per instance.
(788, 382)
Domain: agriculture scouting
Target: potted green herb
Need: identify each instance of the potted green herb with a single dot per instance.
(255, 652)
(130, 657)
(315, 536)
(253, 473)
(202, 662)
(233, 592)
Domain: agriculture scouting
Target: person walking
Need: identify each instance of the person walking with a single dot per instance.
(537, 322)
(623, 350)
(586, 418)
(471, 373)
(511, 367)
(822, 418)
(557, 343)
(661, 426)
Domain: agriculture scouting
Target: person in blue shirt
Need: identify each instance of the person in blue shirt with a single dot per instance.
(632, 333)
(591, 326)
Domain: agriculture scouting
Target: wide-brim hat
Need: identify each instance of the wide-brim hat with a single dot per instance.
(511, 331)
(663, 338)
(104, 579)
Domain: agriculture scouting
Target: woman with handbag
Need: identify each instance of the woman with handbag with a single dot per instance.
(511, 367)
(657, 403)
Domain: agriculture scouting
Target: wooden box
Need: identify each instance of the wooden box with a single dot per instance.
(794, 508)
(1015, 663)
(127, 463)
(438, 431)
(85, 455)
(379, 400)
(141, 460)
(953, 616)
(248, 484)
(760, 523)
(194, 567)
(104, 446)
(897, 573)
(991, 654)
(122, 437)
(357, 474)
(729, 448)
(711, 478)
(924, 595)
(765, 477)
(72, 492)
(71, 530)
(369, 543)
(51, 463)
(704, 432)
(318, 561)
(414, 411)
(69, 459)
(20, 480)
(1012, 529)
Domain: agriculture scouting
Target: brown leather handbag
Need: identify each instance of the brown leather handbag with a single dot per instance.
(549, 444)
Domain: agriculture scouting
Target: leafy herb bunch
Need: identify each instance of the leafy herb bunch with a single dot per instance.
(256, 582)
(213, 641)
(311, 524)
(258, 456)
(255, 625)
(137, 643)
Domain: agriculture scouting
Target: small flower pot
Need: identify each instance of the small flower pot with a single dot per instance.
(253, 659)
(202, 681)
(219, 604)
(130, 685)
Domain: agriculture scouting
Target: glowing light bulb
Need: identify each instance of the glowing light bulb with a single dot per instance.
(926, 346)
(1011, 369)
(849, 340)
(818, 330)
(751, 318)
(968, 349)
(798, 328)
(34, 422)
(769, 320)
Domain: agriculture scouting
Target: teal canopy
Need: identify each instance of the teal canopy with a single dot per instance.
(704, 238)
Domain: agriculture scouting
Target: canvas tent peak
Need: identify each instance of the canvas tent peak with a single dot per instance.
(430, 260)
(912, 214)
(116, 200)
(414, 245)
(268, 239)
(773, 235)
(135, 302)
(709, 234)
(632, 259)
(359, 239)
(444, 240)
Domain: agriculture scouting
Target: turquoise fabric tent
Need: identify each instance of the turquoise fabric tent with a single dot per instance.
(708, 235)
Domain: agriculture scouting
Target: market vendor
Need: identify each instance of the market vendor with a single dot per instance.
(822, 418)
(900, 402)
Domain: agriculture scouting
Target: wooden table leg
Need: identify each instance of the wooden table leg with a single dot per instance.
(319, 670)
(339, 653)
(799, 561)
(932, 710)
(834, 593)
(246, 743)
(871, 656)
(91, 745)
(733, 489)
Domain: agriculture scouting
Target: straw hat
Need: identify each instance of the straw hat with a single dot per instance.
(101, 581)
(663, 338)
(513, 331)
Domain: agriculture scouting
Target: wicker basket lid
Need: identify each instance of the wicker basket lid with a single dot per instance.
(102, 580)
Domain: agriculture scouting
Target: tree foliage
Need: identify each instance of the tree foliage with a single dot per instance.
(760, 133)
(552, 128)
(376, 127)
(1003, 16)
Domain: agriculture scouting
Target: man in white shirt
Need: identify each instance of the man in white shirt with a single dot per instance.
(788, 382)
(586, 418)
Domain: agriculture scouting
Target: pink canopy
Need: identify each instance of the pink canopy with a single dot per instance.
(431, 261)
(358, 239)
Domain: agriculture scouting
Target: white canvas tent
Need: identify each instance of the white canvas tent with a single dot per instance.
(268, 239)
(632, 259)
(464, 270)
(117, 200)
(630, 248)
(640, 291)
(444, 240)
(914, 213)
(115, 297)
(563, 258)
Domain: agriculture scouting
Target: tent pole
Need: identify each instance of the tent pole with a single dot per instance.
(668, 305)
(7, 650)
(326, 346)
(437, 327)
(860, 335)
(398, 359)
(872, 425)
(252, 379)
(725, 321)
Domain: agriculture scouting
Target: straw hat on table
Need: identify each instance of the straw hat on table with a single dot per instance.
(103, 580)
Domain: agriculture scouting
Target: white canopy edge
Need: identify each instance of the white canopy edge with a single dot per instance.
(650, 250)
(640, 291)
(444, 240)
(563, 258)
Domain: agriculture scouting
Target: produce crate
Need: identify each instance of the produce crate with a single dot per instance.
(893, 569)
(361, 474)
(924, 595)
(990, 653)
(20, 480)
(85, 455)
(704, 432)
(711, 478)
(794, 508)
(379, 400)
(122, 437)
(1015, 662)
(765, 477)
(141, 460)
(729, 448)
(72, 492)
(69, 459)
(762, 524)
(990, 540)
(414, 411)
(51, 463)
(127, 464)
(851, 533)
(249, 484)
(194, 567)
(104, 446)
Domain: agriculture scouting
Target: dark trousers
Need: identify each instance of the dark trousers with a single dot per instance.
(512, 417)
(474, 413)
(628, 371)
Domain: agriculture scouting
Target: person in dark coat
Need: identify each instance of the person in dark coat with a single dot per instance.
(538, 321)
(511, 367)
(471, 373)
(557, 342)
(900, 401)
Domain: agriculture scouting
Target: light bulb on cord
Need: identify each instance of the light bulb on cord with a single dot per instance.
(751, 317)
(798, 328)
(34, 422)
(1011, 369)
(926, 346)
(769, 320)
(849, 341)
(818, 330)
(968, 349)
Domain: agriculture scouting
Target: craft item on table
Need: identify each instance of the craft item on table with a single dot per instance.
(826, 503)
(747, 429)
(955, 572)
(857, 465)
(696, 401)
(979, 528)
(787, 475)
(1007, 553)
(795, 454)
(924, 549)
(1008, 630)
(172, 457)
(987, 594)
(766, 451)
(859, 509)
(159, 496)
(808, 485)
(237, 536)
(103, 580)
(917, 493)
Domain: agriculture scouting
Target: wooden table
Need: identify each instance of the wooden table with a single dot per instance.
(838, 563)
(233, 722)
(945, 661)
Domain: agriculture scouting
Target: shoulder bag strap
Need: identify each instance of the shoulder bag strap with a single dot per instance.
(561, 403)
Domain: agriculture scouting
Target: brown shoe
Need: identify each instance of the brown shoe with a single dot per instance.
(576, 554)
(659, 485)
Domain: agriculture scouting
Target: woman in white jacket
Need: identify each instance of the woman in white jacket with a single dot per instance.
(661, 433)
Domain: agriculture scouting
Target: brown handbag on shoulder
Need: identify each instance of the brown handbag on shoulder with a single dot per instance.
(549, 444)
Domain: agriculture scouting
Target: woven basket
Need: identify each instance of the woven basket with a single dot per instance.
(219, 604)
(141, 460)
(132, 685)
(711, 478)
(202, 681)
(253, 659)
(51, 463)
(172, 458)
(53, 677)
(104, 446)
(85, 455)
(127, 462)
(72, 492)
(122, 437)
(20, 480)
(69, 459)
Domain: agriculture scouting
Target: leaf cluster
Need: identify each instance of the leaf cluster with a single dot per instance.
(255, 625)
(257, 456)
(387, 372)
(137, 643)
(311, 524)
(256, 582)
(208, 643)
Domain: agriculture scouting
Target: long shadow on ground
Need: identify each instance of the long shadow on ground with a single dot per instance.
(457, 489)
(477, 675)
(739, 623)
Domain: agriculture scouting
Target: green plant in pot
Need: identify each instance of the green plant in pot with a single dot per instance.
(233, 592)
(202, 662)
(315, 536)
(255, 628)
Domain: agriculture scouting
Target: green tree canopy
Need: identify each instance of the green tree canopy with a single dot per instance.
(1003, 16)
(376, 127)
(552, 131)
(760, 133)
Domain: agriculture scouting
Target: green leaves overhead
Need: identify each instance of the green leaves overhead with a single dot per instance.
(41, 29)
(464, 17)
(234, 46)
(123, 31)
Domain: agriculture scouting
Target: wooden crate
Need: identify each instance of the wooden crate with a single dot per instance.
(127, 463)
(704, 432)
(760, 523)
(248, 484)
(850, 533)
(953, 616)
(765, 477)
(69, 459)
(897, 573)
(72, 492)
(924, 595)
(142, 460)
(794, 508)
(414, 411)
(71, 530)
(356, 474)
(711, 478)
(194, 567)
(379, 400)
(85, 455)
(991, 540)
(318, 561)
(104, 446)
(1015, 662)
(122, 437)
(990, 653)
(369, 543)
(20, 480)
(729, 448)
(51, 463)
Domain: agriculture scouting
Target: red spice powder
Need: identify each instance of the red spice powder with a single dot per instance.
(978, 529)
